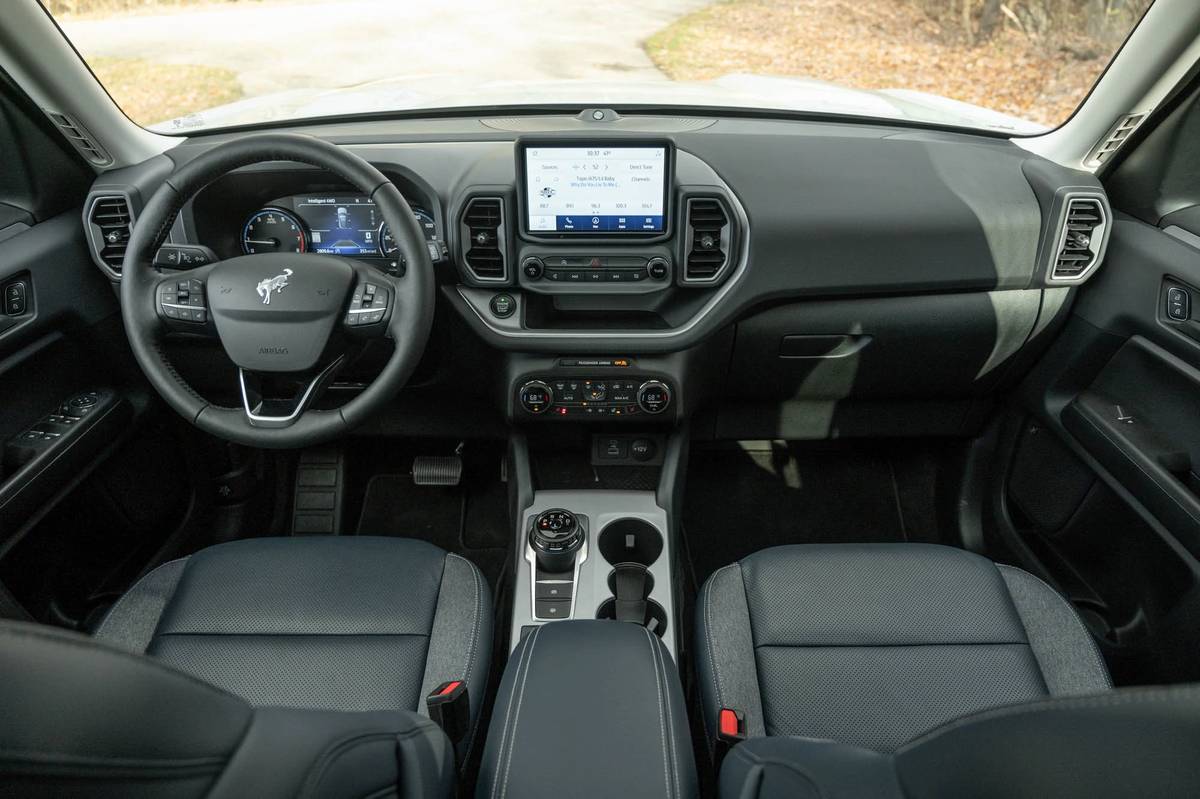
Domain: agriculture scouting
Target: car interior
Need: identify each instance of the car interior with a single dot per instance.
(342, 458)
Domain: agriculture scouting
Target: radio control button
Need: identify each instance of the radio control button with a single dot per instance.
(533, 268)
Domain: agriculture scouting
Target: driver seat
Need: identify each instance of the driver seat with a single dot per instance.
(322, 623)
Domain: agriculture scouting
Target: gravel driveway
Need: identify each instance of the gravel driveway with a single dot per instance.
(275, 46)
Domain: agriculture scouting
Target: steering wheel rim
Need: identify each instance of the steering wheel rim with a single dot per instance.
(411, 307)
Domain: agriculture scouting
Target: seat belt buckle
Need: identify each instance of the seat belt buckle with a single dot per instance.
(450, 708)
(731, 730)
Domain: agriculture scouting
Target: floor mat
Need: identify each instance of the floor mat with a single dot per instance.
(741, 500)
(471, 522)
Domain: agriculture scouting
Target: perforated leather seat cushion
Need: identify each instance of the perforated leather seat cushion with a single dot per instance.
(323, 622)
(873, 644)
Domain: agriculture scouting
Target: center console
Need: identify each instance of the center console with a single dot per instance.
(589, 709)
(595, 554)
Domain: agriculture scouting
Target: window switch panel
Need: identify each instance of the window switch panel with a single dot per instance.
(1179, 304)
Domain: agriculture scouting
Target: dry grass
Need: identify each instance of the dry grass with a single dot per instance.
(150, 92)
(875, 44)
(61, 8)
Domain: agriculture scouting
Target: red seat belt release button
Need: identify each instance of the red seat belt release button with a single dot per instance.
(731, 725)
(450, 708)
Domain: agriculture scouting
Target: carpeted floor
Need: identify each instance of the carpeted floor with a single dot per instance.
(740, 500)
(470, 520)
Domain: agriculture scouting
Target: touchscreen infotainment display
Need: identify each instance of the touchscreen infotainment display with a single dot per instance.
(610, 190)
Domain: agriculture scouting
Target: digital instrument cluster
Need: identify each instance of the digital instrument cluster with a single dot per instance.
(331, 224)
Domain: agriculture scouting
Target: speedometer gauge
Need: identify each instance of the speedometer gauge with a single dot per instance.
(387, 243)
(273, 230)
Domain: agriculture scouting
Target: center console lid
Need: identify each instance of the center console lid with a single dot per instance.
(589, 708)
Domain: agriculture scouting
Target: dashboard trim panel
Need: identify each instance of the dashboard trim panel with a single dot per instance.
(513, 328)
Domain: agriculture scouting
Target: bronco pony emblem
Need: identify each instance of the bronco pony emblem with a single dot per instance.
(273, 284)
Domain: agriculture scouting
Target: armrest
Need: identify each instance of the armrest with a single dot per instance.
(590, 708)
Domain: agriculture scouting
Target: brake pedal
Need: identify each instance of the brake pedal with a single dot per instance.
(437, 470)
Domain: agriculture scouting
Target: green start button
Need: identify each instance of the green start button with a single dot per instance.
(503, 306)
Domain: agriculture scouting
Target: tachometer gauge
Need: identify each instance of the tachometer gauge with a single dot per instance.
(273, 230)
(387, 244)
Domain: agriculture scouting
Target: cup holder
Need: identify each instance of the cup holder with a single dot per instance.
(612, 577)
(655, 615)
(630, 541)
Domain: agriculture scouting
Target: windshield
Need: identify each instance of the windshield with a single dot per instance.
(1017, 66)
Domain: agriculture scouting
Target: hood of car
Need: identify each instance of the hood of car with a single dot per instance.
(730, 91)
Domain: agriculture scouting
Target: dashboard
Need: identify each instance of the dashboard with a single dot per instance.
(781, 266)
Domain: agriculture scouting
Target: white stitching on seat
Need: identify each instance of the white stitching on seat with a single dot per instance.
(517, 716)
(716, 670)
(1074, 614)
(478, 613)
(508, 712)
(662, 659)
(662, 730)
(471, 652)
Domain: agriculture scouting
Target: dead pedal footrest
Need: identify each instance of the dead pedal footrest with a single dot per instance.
(320, 484)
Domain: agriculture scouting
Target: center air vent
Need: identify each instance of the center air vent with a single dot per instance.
(109, 220)
(1080, 242)
(708, 241)
(484, 240)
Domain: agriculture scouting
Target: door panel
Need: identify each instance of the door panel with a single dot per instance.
(1101, 489)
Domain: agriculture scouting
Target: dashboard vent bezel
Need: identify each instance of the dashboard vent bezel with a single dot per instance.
(726, 241)
(467, 234)
(1097, 237)
(1117, 135)
(79, 137)
(109, 255)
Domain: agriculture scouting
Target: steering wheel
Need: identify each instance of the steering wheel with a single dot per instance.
(281, 317)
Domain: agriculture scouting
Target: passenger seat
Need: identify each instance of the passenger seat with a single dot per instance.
(873, 645)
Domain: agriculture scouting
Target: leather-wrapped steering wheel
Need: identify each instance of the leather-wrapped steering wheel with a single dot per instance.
(277, 315)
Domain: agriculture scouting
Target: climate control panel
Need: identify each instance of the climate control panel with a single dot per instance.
(585, 398)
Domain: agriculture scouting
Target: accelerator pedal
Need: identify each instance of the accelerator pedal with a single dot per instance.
(438, 470)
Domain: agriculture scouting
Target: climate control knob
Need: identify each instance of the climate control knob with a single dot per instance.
(653, 396)
(536, 397)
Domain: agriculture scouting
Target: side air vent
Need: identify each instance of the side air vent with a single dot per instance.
(484, 239)
(1112, 142)
(708, 241)
(109, 220)
(1081, 239)
(80, 139)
